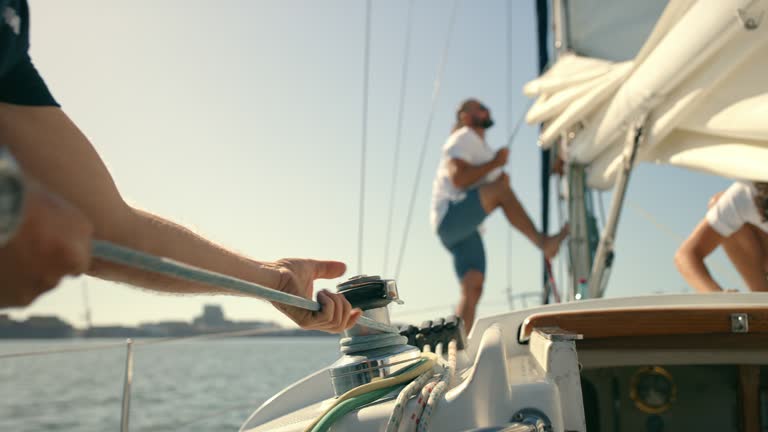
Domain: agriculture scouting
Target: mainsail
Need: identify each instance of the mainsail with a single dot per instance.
(696, 68)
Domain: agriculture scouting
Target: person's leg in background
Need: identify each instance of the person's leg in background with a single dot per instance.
(499, 194)
(469, 263)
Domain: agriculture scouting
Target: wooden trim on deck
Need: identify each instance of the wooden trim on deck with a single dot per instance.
(742, 342)
(627, 322)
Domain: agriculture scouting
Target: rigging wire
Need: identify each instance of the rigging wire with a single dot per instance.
(422, 154)
(518, 123)
(562, 267)
(399, 135)
(510, 299)
(601, 205)
(510, 142)
(450, 308)
(147, 342)
(364, 140)
(669, 232)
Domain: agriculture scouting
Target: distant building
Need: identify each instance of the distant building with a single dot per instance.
(35, 327)
(213, 321)
(168, 329)
(212, 317)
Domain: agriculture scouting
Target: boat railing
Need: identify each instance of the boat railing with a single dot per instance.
(129, 346)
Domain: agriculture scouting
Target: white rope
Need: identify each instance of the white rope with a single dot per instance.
(442, 386)
(431, 406)
(398, 137)
(422, 154)
(409, 391)
(422, 386)
(364, 140)
(421, 403)
(453, 350)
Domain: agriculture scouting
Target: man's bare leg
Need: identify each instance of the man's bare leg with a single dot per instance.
(471, 290)
(748, 250)
(500, 194)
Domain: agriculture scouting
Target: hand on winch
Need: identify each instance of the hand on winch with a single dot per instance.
(297, 276)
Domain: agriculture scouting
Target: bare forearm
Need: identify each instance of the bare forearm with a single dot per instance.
(49, 146)
(695, 272)
(471, 174)
(152, 234)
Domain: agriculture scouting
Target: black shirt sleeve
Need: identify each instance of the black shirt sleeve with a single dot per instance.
(20, 83)
(23, 85)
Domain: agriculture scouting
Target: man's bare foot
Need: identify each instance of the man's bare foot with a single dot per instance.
(551, 244)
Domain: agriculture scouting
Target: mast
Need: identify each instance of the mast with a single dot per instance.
(542, 18)
(582, 238)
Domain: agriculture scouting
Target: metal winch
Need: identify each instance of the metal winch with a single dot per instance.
(370, 354)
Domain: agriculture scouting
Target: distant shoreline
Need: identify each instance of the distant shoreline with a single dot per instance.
(112, 339)
(78, 335)
(211, 323)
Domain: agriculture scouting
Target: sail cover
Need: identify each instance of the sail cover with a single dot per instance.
(696, 68)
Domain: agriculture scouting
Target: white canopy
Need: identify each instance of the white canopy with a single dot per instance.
(700, 76)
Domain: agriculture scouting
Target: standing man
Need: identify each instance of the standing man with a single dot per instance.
(470, 184)
(738, 220)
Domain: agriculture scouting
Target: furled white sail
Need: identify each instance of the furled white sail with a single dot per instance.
(700, 77)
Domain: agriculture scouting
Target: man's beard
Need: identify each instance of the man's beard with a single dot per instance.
(485, 123)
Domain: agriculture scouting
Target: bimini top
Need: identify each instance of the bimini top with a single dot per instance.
(697, 68)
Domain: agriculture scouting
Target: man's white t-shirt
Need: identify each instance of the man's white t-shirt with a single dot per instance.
(735, 208)
(467, 145)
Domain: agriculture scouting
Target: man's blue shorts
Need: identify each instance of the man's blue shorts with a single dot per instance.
(458, 232)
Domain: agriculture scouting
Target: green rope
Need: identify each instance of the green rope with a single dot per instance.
(348, 406)
(356, 402)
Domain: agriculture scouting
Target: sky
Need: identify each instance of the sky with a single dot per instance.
(242, 120)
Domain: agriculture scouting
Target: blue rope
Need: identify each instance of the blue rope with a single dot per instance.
(122, 255)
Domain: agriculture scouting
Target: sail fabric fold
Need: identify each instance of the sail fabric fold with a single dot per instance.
(699, 76)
